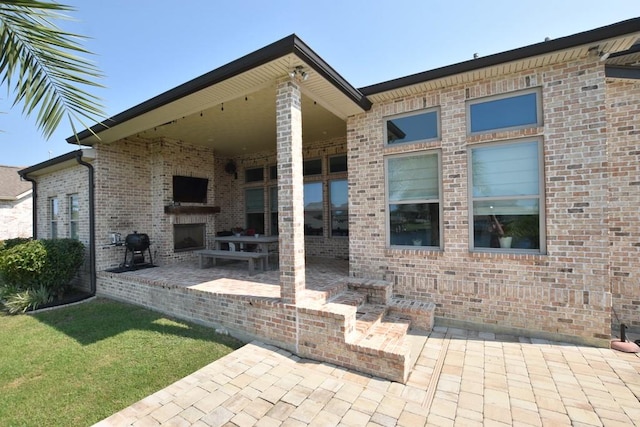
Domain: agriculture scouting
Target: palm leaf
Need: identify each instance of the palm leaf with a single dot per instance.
(43, 66)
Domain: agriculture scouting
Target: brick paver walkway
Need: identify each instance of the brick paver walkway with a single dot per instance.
(462, 378)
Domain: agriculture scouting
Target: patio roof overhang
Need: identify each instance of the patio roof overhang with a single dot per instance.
(232, 108)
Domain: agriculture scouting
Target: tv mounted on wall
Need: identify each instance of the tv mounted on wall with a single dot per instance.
(189, 189)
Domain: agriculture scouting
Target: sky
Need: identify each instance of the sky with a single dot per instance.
(146, 47)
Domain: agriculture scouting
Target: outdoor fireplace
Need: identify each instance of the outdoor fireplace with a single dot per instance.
(187, 237)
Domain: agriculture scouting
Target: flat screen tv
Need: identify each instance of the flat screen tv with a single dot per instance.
(189, 189)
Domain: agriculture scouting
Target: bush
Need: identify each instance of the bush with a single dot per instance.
(9, 243)
(21, 265)
(48, 264)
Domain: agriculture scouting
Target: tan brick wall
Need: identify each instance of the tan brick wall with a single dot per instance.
(134, 183)
(16, 218)
(61, 184)
(134, 179)
(623, 134)
(564, 291)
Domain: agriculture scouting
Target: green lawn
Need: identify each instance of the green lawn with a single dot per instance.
(77, 365)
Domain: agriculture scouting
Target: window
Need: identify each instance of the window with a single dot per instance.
(312, 167)
(413, 195)
(273, 198)
(505, 112)
(54, 216)
(74, 216)
(254, 175)
(413, 127)
(338, 163)
(338, 193)
(254, 207)
(273, 172)
(506, 194)
(313, 207)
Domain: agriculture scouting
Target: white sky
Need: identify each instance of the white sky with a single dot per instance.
(145, 47)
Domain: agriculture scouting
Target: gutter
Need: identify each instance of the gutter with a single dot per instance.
(92, 228)
(34, 200)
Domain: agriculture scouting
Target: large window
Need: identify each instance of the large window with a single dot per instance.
(507, 203)
(511, 111)
(313, 208)
(254, 206)
(413, 195)
(338, 193)
(413, 127)
(54, 216)
(74, 216)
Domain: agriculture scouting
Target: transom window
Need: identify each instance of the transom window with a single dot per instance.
(338, 163)
(312, 167)
(507, 204)
(413, 127)
(413, 200)
(501, 112)
(254, 175)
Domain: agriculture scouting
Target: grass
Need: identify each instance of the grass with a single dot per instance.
(77, 365)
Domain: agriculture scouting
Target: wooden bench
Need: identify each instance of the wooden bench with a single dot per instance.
(214, 254)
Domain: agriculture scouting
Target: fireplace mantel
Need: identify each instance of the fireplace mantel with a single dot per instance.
(193, 210)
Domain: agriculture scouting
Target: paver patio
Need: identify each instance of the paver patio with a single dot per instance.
(461, 378)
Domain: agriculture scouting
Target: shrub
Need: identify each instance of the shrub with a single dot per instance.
(21, 265)
(9, 243)
(50, 264)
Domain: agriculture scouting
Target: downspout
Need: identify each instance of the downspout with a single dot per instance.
(92, 228)
(34, 199)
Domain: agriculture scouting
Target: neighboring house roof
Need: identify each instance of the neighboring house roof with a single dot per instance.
(11, 186)
(243, 90)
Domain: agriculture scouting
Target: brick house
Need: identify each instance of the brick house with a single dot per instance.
(504, 189)
(16, 206)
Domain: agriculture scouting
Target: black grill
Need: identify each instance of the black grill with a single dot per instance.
(135, 246)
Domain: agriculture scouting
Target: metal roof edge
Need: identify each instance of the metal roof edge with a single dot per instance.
(622, 72)
(591, 36)
(55, 161)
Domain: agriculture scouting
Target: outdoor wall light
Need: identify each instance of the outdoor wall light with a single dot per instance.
(299, 74)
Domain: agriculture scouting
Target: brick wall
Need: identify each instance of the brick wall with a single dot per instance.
(134, 184)
(623, 135)
(564, 291)
(16, 217)
(61, 184)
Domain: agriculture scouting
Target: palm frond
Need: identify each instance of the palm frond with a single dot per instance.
(43, 67)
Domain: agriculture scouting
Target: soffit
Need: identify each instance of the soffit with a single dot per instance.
(613, 45)
(240, 111)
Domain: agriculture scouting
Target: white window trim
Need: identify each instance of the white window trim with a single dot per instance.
(438, 153)
(409, 114)
(540, 197)
(536, 90)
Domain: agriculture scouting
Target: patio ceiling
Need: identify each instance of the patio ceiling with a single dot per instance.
(233, 108)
